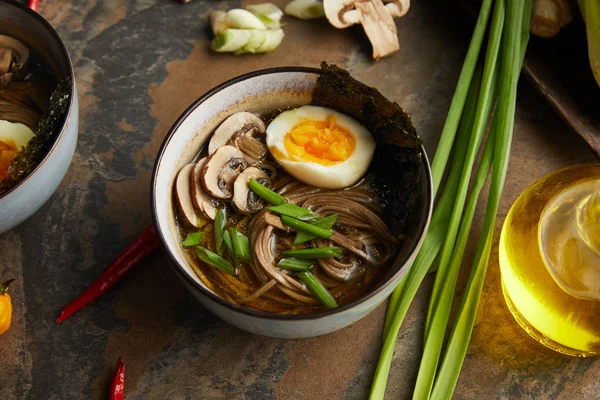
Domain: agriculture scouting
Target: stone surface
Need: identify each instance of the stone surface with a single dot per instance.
(139, 64)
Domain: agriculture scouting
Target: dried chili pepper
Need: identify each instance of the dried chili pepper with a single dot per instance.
(117, 385)
(33, 4)
(137, 250)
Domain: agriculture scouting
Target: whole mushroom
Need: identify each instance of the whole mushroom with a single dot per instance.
(376, 17)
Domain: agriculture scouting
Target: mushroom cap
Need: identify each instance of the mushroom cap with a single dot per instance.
(336, 10)
(184, 196)
(240, 123)
(200, 198)
(13, 57)
(220, 171)
(244, 199)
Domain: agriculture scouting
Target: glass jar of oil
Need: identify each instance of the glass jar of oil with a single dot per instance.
(550, 260)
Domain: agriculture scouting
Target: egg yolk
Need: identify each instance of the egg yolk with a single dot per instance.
(7, 153)
(321, 142)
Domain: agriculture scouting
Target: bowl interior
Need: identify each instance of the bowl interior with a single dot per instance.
(39, 36)
(255, 92)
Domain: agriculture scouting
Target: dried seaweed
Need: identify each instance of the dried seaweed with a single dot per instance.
(397, 161)
(48, 128)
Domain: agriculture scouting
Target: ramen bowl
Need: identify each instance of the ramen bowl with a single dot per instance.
(28, 194)
(257, 92)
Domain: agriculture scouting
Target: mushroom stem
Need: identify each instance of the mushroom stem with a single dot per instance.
(379, 27)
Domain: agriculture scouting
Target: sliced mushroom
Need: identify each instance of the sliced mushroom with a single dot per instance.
(242, 123)
(200, 198)
(220, 171)
(253, 149)
(244, 199)
(13, 57)
(184, 196)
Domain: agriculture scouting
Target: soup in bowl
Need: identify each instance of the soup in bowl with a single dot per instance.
(291, 201)
(38, 112)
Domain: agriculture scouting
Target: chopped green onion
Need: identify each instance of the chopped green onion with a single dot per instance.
(305, 9)
(325, 223)
(308, 228)
(268, 13)
(214, 260)
(295, 264)
(243, 19)
(317, 289)
(294, 211)
(228, 244)
(241, 246)
(317, 252)
(230, 40)
(255, 41)
(193, 239)
(217, 21)
(266, 194)
(219, 228)
(273, 39)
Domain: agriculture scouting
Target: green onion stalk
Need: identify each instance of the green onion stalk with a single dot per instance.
(450, 228)
(406, 292)
(513, 52)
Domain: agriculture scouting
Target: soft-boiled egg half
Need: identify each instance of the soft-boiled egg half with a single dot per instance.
(320, 147)
(13, 136)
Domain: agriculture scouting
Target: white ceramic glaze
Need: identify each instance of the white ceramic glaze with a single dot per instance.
(259, 91)
(20, 202)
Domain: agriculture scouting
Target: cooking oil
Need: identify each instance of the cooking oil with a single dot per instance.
(550, 260)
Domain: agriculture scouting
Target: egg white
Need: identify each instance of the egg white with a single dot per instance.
(14, 134)
(341, 175)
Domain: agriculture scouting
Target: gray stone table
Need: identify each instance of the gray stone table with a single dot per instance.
(139, 64)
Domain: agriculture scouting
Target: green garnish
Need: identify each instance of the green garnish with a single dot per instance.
(219, 228)
(296, 265)
(305, 227)
(325, 223)
(317, 252)
(228, 244)
(193, 239)
(294, 211)
(317, 289)
(241, 246)
(266, 194)
(214, 260)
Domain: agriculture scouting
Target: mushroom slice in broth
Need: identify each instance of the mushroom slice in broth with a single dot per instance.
(221, 170)
(244, 199)
(184, 196)
(241, 130)
(200, 198)
(13, 57)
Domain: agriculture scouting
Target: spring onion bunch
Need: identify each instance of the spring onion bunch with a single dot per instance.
(487, 82)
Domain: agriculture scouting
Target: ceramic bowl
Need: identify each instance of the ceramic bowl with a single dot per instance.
(256, 92)
(26, 197)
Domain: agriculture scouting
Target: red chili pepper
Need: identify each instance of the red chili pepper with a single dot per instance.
(117, 385)
(33, 4)
(137, 250)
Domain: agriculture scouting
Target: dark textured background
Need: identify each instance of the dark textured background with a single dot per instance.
(139, 64)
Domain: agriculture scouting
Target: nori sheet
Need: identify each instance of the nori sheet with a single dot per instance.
(397, 160)
(48, 128)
